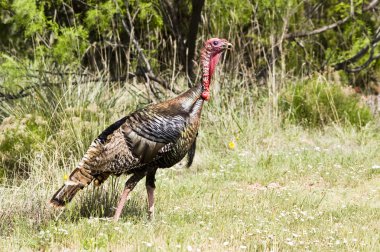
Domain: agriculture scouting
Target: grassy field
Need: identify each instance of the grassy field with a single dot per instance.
(256, 185)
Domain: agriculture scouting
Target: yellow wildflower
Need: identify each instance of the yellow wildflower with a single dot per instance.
(231, 145)
(65, 177)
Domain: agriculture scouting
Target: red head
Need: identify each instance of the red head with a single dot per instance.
(210, 56)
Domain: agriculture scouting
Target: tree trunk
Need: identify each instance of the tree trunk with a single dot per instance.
(192, 37)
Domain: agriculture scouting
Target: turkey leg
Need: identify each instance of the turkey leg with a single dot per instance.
(129, 185)
(150, 191)
(150, 186)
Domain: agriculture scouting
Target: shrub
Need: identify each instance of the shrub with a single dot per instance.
(18, 139)
(316, 103)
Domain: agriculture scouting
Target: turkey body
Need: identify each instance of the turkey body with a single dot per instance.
(157, 136)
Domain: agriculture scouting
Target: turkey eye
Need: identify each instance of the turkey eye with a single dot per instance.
(215, 42)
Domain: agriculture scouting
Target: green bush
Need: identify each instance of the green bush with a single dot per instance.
(18, 139)
(315, 103)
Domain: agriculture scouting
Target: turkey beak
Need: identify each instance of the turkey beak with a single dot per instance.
(226, 45)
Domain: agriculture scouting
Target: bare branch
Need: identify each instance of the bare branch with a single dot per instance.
(365, 64)
(344, 64)
(370, 6)
(23, 92)
(317, 31)
(26, 91)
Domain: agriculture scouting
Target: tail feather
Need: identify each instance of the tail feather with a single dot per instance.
(78, 179)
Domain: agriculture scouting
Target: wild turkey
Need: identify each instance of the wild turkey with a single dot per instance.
(157, 136)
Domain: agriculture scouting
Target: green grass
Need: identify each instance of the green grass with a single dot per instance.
(281, 188)
(315, 103)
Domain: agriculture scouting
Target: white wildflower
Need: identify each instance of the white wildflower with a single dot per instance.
(290, 243)
(148, 244)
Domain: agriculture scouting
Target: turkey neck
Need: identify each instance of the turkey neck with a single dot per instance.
(192, 100)
(209, 61)
(199, 93)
